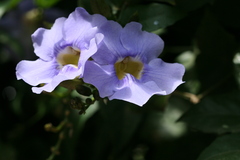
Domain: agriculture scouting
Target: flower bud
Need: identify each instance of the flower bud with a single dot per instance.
(88, 101)
(83, 90)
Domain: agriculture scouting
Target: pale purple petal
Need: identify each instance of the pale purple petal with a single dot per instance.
(36, 72)
(141, 43)
(111, 49)
(87, 53)
(68, 72)
(102, 77)
(157, 77)
(168, 76)
(80, 26)
(44, 40)
(79, 31)
(137, 92)
(128, 89)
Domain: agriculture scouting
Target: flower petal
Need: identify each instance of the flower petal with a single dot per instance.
(44, 40)
(111, 49)
(68, 72)
(142, 43)
(137, 92)
(102, 77)
(168, 76)
(36, 72)
(108, 85)
(81, 26)
(87, 53)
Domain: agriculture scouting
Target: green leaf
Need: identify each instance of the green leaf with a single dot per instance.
(46, 3)
(214, 64)
(226, 147)
(122, 121)
(7, 151)
(86, 4)
(171, 2)
(215, 114)
(119, 4)
(153, 16)
(101, 7)
(111, 130)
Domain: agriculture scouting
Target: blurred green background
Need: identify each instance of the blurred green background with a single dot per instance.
(199, 121)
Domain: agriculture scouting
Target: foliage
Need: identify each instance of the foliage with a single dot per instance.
(200, 120)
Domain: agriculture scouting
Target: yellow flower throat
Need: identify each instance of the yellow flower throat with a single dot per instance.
(69, 56)
(128, 65)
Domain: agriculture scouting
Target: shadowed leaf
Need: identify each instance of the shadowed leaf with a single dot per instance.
(153, 16)
(223, 148)
(215, 114)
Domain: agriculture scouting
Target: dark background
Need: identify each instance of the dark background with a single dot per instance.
(199, 121)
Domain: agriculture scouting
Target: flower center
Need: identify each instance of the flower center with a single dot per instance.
(69, 55)
(128, 65)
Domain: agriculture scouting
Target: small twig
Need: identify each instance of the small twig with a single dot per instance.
(190, 96)
(55, 149)
(62, 128)
(196, 98)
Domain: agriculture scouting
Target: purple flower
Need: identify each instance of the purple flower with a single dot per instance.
(126, 66)
(63, 50)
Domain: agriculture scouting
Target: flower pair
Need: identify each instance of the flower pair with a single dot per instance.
(120, 62)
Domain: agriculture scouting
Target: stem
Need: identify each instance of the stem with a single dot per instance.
(64, 127)
(55, 149)
(196, 98)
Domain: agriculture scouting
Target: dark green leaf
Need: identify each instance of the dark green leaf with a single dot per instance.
(214, 64)
(101, 7)
(46, 3)
(223, 148)
(215, 114)
(85, 4)
(171, 2)
(111, 131)
(153, 16)
(230, 17)
(120, 4)
(123, 119)
(190, 5)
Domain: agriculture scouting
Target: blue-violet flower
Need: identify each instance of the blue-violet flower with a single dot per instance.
(126, 66)
(62, 50)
